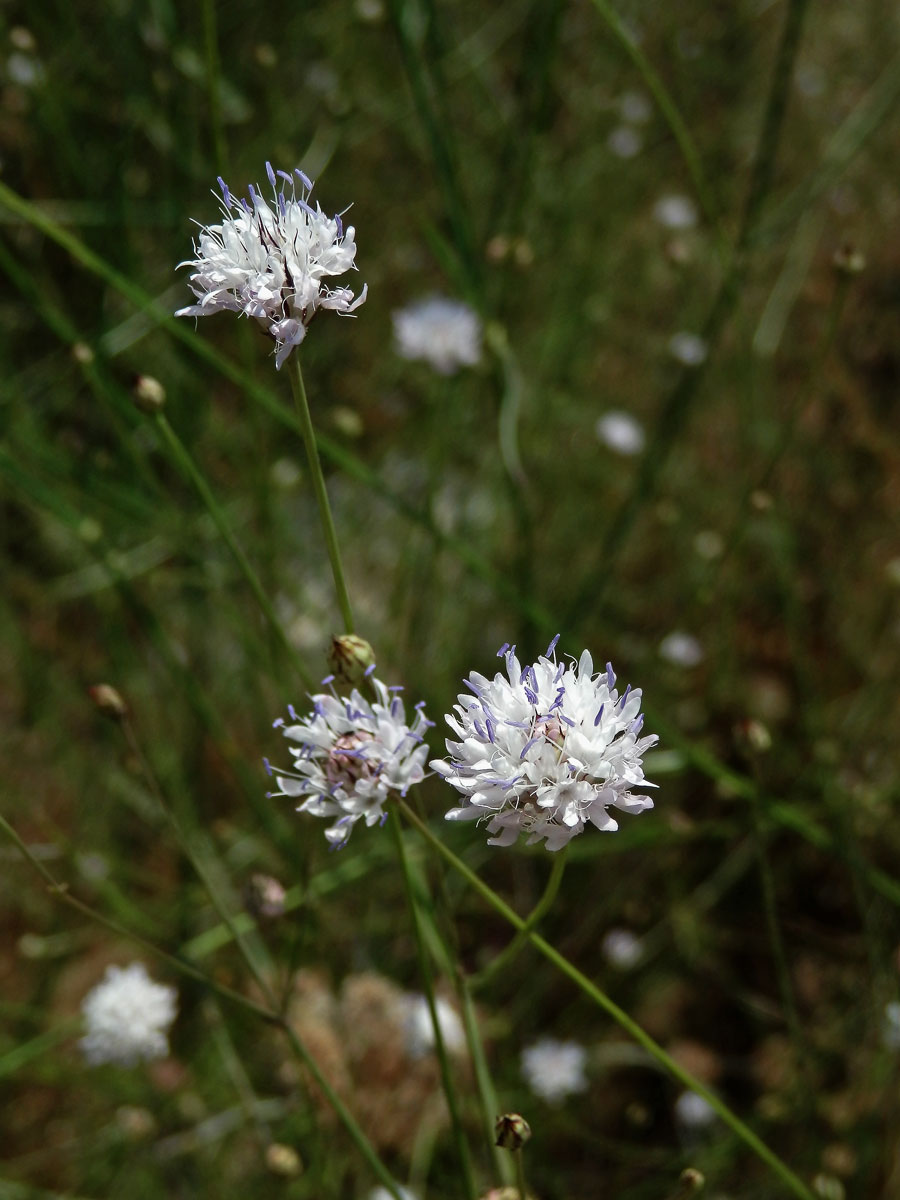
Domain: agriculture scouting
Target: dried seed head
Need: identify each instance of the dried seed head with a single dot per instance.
(108, 701)
(511, 1131)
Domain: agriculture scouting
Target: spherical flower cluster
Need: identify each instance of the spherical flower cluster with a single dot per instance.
(127, 1017)
(444, 333)
(419, 1028)
(350, 755)
(272, 261)
(555, 1069)
(546, 750)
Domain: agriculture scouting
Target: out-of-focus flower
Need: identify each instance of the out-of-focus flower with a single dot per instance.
(635, 108)
(621, 432)
(350, 755)
(682, 649)
(545, 750)
(272, 261)
(381, 1193)
(555, 1069)
(622, 949)
(420, 1030)
(444, 333)
(890, 1029)
(693, 1113)
(625, 142)
(688, 348)
(127, 1017)
(675, 212)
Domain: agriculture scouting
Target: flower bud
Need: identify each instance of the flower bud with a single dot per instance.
(283, 1160)
(264, 896)
(149, 394)
(349, 658)
(108, 701)
(511, 1131)
(848, 260)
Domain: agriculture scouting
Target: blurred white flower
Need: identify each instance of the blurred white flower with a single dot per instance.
(621, 432)
(420, 1031)
(555, 1069)
(546, 750)
(271, 261)
(381, 1193)
(635, 107)
(350, 755)
(675, 212)
(127, 1017)
(622, 949)
(25, 70)
(625, 142)
(693, 1113)
(689, 348)
(890, 1030)
(682, 649)
(444, 333)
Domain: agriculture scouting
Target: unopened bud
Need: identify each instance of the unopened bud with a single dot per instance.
(511, 1131)
(349, 658)
(848, 260)
(149, 394)
(283, 1160)
(82, 353)
(264, 896)
(108, 701)
(754, 736)
(690, 1182)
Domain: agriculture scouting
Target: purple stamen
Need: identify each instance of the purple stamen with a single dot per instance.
(568, 720)
(293, 713)
(284, 175)
(638, 724)
(503, 649)
(551, 647)
(226, 195)
(304, 179)
(610, 676)
(268, 766)
(624, 695)
(370, 671)
(270, 173)
(599, 716)
(278, 723)
(528, 745)
(479, 728)
(340, 225)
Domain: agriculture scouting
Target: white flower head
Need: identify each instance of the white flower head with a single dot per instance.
(622, 949)
(555, 1069)
(545, 750)
(621, 432)
(688, 348)
(675, 211)
(681, 649)
(890, 1028)
(419, 1030)
(351, 754)
(127, 1017)
(693, 1113)
(444, 333)
(272, 261)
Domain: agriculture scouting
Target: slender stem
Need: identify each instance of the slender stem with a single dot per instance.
(520, 1174)
(428, 987)
(590, 989)
(543, 905)
(190, 470)
(318, 480)
(487, 1094)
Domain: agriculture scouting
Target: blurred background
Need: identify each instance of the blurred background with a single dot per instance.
(678, 228)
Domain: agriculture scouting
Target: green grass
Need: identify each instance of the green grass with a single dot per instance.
(471, 511)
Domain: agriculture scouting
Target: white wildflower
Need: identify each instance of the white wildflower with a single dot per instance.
(635, 108)
(127, 1017)
(621, 432)
(622, 949)
(675, 212)
(890, 1029)
(350, 755)
(682, 649)
(555, 1069)
(546, 750)
(625, 141)
(381, 1193)
(419, 1030)
(693, 1113)
(444, 333)
(272, 261)
(689, 348)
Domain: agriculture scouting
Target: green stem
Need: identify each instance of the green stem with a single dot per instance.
(189, 469)
(520, 1173)
(428, 987)
(543, 905)
(487, 1094)
(318, 480)
(213, 85)
(590, 989)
